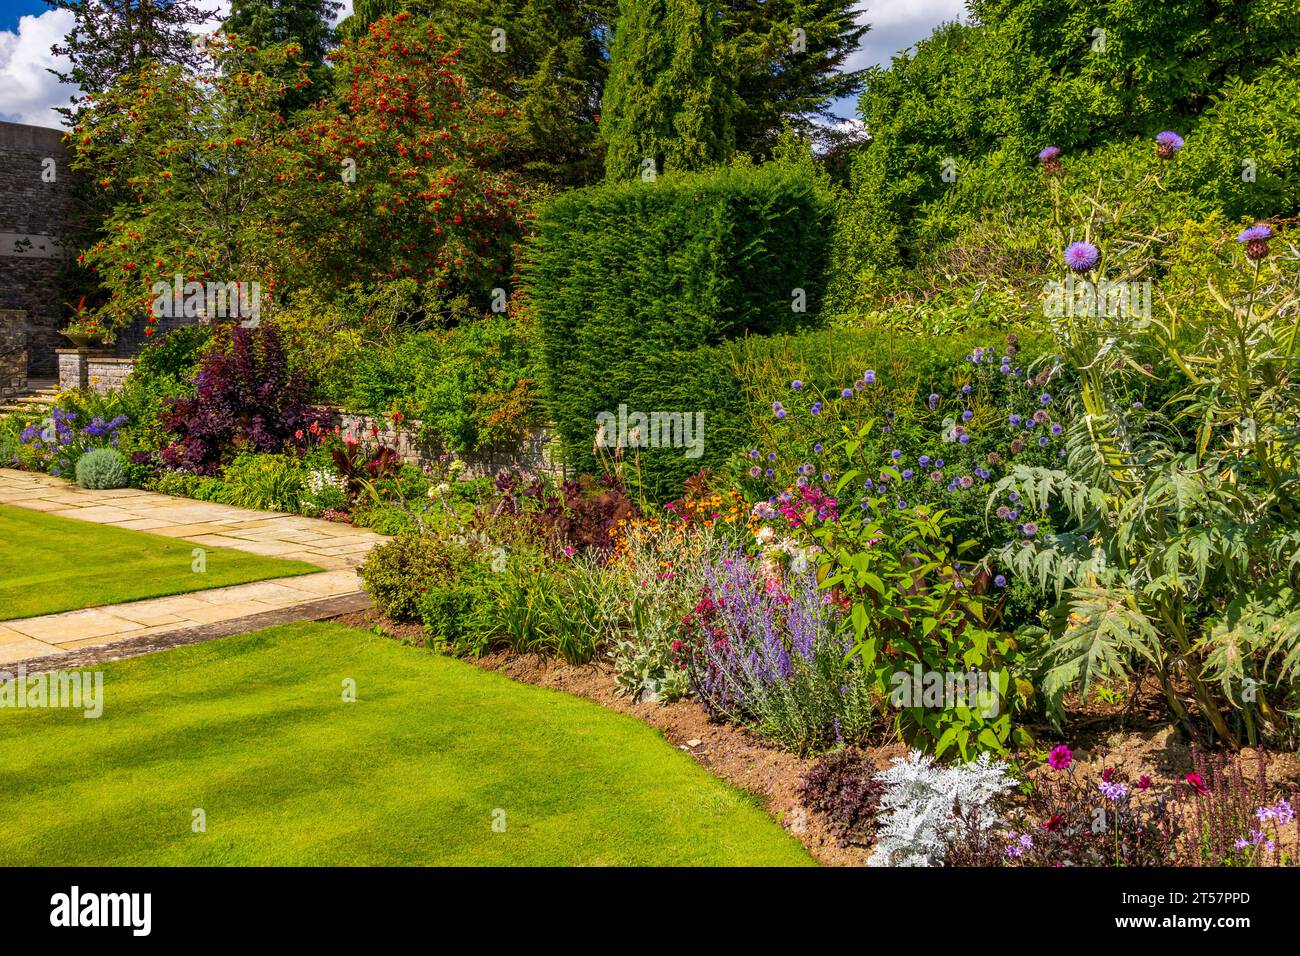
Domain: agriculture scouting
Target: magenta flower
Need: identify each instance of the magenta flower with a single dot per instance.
(1060, 757)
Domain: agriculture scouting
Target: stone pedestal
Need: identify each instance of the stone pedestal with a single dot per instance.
(13, 353)
(74, 366)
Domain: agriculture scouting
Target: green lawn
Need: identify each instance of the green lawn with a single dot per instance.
(50, 564)
(254, 731)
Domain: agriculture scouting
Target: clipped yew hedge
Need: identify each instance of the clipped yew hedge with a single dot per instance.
(636, 285)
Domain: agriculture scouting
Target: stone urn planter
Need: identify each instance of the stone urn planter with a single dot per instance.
(85, 340)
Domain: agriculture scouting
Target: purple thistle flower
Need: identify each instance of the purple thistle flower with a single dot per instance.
(1049, 153)
(1168, 143)
(1081, 256)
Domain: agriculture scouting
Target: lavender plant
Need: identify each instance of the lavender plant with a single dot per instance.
(770, 652)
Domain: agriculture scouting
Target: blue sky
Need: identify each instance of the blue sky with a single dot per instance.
(29, 27)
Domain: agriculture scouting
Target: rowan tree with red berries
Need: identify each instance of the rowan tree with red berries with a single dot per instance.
(404, 183)
(387, 178)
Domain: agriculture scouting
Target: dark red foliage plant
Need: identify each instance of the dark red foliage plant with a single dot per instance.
(842, 786)
(246, 398)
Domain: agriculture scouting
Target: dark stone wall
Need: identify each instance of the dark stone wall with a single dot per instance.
(36, 219)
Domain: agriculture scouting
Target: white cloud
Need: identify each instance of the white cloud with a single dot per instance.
(28, 92)
(895, 26)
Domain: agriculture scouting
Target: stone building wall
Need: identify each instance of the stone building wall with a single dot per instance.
(37, 213)
(13, 353)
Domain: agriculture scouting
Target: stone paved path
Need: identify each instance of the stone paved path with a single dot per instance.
(161, 622)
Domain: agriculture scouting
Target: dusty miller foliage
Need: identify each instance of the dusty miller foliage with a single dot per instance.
(925, 807)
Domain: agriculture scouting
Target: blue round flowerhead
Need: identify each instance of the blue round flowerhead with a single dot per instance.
(826, 477)
(869, 376)
(907, 474)
(816, 408)
(1000, 581)
(965, 389)
(753, 453)
(939, 463)
(1014, 419)
(817, 448)
(1042, 442)
(1057, 429)
(895, 454)
(934, 400)
(846, 393)
(867, 484)
(769, 473)
(771, 456)
(924, 460)
(1081, 256)
(967, 415)
(1168, 143)
(1045, 399)
(780, 413)
(964, 439)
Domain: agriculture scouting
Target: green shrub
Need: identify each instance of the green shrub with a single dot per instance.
(459, 615)
(630, 281)
(398, 573)
(102, 468)
(266, 483)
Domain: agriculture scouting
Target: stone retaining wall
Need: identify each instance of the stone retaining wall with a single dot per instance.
(103, 371)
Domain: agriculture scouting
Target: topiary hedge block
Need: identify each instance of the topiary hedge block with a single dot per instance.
(630, 282)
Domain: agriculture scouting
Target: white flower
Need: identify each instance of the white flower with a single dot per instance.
(764, 534)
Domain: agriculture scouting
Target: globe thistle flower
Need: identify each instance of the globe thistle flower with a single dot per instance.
(753, 453)
(934, 401)
(963, 439)
(817, 448)
(924, 460)
(895, 454)
(1168, 143)
(1255, 239)
(778, 410)
(1057, 429)
(967, 415)
(1000, 581)
(1014, 420)
(796, 385)
(769, 473)
(826, 477)
(869, 376)
(907, 474)
(1081, 256)
(939, 463)
(771, 456)
(816, 408)
(846, 393)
